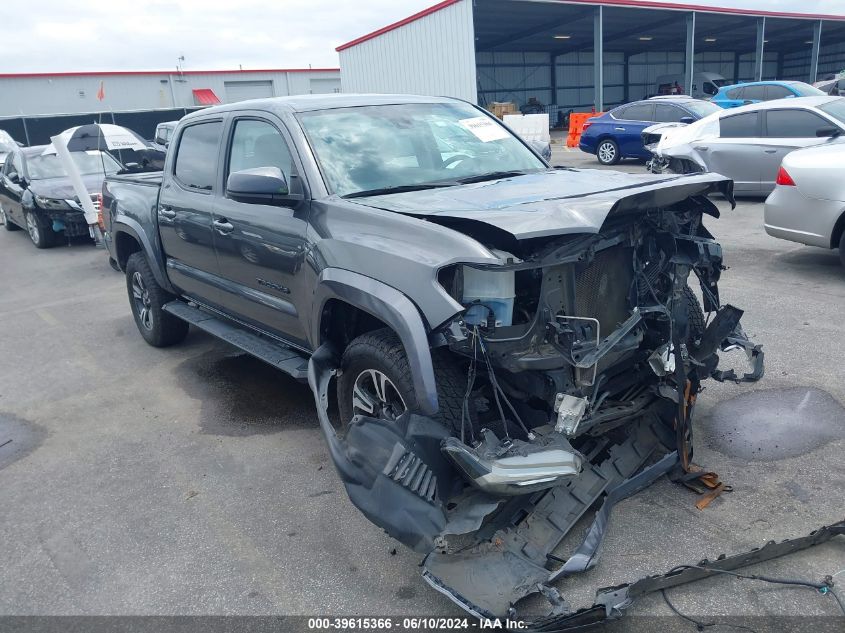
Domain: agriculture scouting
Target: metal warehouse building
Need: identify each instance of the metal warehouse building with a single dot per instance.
(581, 54)
(80, 92)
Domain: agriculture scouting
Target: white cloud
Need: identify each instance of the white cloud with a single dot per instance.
(56, 35)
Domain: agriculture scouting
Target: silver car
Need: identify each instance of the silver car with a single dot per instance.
(747, 144)
(808, 203)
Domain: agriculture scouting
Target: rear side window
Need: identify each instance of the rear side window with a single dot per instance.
(754, 93)
(793, 124)
(196, 156)
(738, 125)
(664, 113)
(639, 112)
(778, 92)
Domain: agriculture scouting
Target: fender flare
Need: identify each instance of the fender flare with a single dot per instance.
(134, 229)
(393, 308)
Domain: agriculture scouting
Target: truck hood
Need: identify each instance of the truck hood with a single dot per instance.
(554, 202)
(61, 188)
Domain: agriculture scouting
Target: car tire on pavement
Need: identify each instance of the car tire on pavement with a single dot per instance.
(376, 380)
(607, 152)
(147, 298)
(842, 248)
(41, 234)
(7, 222)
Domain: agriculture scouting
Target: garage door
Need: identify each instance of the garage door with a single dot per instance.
(324, 86)
(241, 90)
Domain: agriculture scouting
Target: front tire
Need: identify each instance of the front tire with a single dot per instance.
(147, 298)
(607, 152)
(41, 234)
(842, 248)
(376, 380)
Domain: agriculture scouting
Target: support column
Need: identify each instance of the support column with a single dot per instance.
(736, 67)
(598, 58)
(690, 54)
(626, 79)
(814, 56)
(553, 78)
(761, 48)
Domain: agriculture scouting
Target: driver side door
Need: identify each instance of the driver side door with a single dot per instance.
(261, 247)
(12, 189)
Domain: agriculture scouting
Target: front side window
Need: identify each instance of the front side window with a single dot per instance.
(258, 144)
(88, 163)
(664, 113)
(778, 92)
(793, 124)
(196, 156)
(736, 93)
(754, 93)
(738, 125)
(377, 148)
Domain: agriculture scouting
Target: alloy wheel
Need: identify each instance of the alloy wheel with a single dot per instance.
(143, 304)
(375, 396)
(3, 219)
(32, 229)
(607, 152)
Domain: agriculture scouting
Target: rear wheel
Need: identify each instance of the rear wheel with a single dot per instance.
(6, 221)
(608, 152)
(376, 381)
(41, 234)
(842, 248)
(147, 298)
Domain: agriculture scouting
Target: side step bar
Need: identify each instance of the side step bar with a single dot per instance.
(269, 350)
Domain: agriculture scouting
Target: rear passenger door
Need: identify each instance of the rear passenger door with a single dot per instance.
(261, 247)
(786, 130)
(186, 202)
(736, 153)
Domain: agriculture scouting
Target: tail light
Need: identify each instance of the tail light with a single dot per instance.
(784, 178)
(585, 126)
(98, 204)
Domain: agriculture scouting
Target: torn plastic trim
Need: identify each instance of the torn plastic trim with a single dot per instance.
(611, 602)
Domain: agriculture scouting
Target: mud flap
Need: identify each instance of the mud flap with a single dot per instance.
(394, 471)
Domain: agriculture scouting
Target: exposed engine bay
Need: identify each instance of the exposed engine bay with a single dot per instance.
(584, 355)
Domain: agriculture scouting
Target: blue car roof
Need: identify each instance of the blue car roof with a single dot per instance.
(772, 82)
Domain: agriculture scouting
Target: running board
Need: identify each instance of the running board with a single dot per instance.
(269, 350)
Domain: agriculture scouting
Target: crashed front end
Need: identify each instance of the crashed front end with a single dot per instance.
(584, 355)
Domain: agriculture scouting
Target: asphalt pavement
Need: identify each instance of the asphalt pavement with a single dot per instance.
(194, 480)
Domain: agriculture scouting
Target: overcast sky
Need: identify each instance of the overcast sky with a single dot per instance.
(57, 35)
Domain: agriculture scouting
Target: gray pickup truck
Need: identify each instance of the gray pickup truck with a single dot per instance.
(510, 342)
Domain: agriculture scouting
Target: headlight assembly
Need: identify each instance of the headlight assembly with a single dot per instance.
(51, 204)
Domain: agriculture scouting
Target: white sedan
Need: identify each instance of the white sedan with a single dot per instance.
(808, 203)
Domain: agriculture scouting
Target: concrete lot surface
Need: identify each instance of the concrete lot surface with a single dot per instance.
(194, 480)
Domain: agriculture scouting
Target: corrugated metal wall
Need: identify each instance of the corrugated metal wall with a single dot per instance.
(69, 94)
(434, 55)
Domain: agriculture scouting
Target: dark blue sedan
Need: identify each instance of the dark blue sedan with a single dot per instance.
(617, 134)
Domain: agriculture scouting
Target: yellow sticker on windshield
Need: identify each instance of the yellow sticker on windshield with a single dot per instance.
(484, 128)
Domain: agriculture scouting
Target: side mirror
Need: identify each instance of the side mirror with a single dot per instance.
(824, 132)
(687, 120)
(160, 140)
(14, 178)
(261, 185)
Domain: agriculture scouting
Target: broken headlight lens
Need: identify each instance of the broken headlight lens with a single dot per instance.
(51, 204)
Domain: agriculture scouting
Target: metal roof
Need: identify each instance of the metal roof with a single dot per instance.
(113, 73)
(496, 20)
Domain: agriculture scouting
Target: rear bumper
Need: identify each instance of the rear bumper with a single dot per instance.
(790, 215)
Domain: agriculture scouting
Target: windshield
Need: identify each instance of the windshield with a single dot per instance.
(806, 90)
(702, 108)
(372, 148)
(720, 82)
(88, 163)
(835, 108)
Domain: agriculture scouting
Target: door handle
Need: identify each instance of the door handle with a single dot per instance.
(702, 148)
(223, 226)
(167, 212)
(770, 151)
(619, 129)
